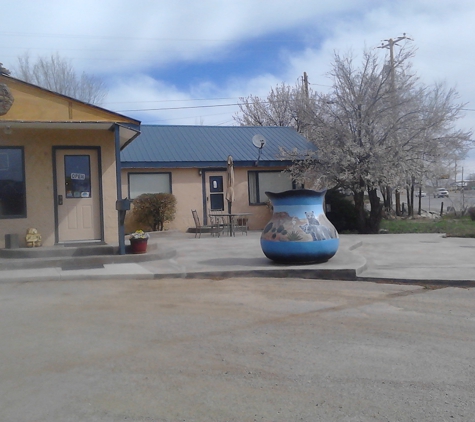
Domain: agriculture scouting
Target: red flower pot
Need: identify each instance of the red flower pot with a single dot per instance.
(138, 245)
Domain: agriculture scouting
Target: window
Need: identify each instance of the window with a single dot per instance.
(262, 181)
(12, 183)
(140, 183)
(216, 193)
(77, 170)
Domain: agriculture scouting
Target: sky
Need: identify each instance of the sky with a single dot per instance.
(185, 62)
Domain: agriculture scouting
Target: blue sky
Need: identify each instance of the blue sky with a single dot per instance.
(159, 58)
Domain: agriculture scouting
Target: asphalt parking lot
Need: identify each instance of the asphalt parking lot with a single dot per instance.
(237, 349)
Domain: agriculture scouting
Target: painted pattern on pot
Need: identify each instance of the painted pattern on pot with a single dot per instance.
(299, 231)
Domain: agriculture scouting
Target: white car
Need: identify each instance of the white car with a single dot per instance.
(423, 194)
(441, 193)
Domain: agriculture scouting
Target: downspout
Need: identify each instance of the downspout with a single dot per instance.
(118, 177)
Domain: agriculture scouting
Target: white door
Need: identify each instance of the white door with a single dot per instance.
(78, 195)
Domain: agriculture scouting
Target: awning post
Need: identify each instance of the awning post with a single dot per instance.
(120, 212)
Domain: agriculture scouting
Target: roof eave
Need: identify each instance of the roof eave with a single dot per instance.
(127, 131)
(202, 164)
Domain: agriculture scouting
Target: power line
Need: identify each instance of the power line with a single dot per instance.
(109, 37)
(194, 107)
(208, 106)
(225, 122)
(179, 108)
(327, 86)
(166, 101)
(142, 58)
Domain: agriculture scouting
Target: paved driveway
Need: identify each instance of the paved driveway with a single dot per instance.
(235, 350)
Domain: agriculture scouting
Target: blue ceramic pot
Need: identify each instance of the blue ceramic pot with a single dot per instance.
(299, 232)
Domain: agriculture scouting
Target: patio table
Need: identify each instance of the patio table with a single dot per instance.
(230, 217)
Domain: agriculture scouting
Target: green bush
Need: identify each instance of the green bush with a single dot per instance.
(342, 214)
(471, 213)
(154, 209)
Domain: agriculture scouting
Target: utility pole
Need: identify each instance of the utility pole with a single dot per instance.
(305, 84)
(390, 43)
(304, 126)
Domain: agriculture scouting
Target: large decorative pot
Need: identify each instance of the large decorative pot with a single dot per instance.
(299, 232)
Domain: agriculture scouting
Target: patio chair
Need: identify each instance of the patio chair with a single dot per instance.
(221, 221)
(240, 224)
(211, 228)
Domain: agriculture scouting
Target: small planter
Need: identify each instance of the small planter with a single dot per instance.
(138, 245)
(138, 242)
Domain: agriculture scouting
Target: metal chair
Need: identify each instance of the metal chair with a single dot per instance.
(220, 221)
(212, 228)
(240, 224)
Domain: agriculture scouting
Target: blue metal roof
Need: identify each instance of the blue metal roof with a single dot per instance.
(209, 146)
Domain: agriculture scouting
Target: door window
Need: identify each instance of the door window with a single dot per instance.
(216, 193)
(77, 169)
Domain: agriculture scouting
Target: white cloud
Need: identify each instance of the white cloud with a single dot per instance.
(127, 43)
(142, 34)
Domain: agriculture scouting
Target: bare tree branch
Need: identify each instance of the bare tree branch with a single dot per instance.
(57, 74)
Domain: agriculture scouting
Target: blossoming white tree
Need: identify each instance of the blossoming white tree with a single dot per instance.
(377, 127)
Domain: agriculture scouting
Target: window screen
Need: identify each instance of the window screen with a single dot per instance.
(140, 183)
(262, 181)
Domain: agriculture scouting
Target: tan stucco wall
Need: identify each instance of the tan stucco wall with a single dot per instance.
(38, 148)
(187, 188)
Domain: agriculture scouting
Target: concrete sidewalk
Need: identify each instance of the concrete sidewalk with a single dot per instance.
(409, 258)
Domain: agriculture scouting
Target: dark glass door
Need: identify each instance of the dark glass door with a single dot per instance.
(216, 193)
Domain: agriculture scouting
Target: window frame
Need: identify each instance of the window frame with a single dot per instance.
(141, 173)
(23, 189)
(257, 172)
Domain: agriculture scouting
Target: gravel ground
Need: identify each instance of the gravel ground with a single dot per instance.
(235, 350)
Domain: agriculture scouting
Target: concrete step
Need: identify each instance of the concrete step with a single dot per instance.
(77, 257)
(59, 251)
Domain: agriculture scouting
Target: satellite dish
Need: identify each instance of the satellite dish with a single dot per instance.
(258, 141)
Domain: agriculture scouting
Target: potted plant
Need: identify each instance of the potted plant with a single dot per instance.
(138, 241)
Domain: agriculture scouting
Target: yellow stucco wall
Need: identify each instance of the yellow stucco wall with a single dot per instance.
(187, 188)
(38, 149)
